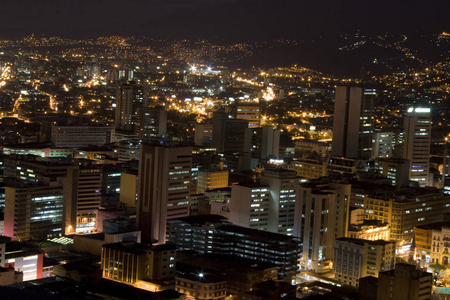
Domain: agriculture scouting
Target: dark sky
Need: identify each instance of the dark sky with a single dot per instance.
(227, 19)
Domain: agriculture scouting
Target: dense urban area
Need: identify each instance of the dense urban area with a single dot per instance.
(145, 168)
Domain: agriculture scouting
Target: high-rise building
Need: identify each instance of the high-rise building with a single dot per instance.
(33, 211)
(82, 198)
(249, 112)
(353, 122)
(416, 145)
(129, 98)
(163, 188)
(356, 258)
(405, 282)
(382, 144)
(203, 134)
(265, 142)
(218, 130)
(249, 205)
(152, 122)
(321, 217)
(283, 186)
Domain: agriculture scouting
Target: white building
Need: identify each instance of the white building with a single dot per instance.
(283, 186)
(249, 206)
(416, 147)
(356, 258)
(321, 216)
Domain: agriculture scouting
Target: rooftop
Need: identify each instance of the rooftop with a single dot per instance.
(202, 219)
(361, 242)
(264, 236)
(434, 226)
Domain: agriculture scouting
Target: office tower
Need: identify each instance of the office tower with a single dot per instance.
(139, 265)
(33, 211)
(353, 122)
(283, 186)
(356, 258)
(405, 282)
(249, 112)
(218, 131)
(236, 145)
(237, 136)
(416, 145)
(249, 205)
(265, 142)
(152, 122)
(82, 198)
(395, 169)
(129, 98)
(203, 134)
(81, 136)
(270, 142)
(382, 145)
(230, 135)
(211, 179)
(164, 188)
(321, 217)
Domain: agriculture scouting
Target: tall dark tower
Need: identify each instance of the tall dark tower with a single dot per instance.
(129, 98)
(353, 122)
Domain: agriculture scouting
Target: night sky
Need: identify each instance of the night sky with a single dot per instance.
(222, 19)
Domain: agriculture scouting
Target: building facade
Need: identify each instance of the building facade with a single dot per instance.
(416, 145)
(356, 258)
(353, 122)
(163, 189)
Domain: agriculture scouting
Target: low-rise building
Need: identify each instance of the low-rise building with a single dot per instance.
(369, 230)
(356, 258)
(432, 243)
(142, 266)
(201, 285)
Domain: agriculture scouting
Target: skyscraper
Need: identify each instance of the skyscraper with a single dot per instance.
(129, 97)
(164, 185)
(416, 146)
(82, 198)
(353, 122)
